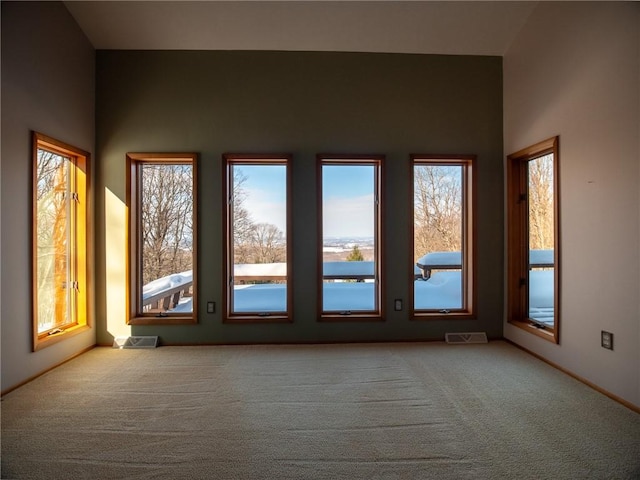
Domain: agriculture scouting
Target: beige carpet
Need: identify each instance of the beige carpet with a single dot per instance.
(386, 411)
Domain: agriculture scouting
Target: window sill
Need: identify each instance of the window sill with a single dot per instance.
(256, 318)
(454, 315)
(351, 317)
(47, 340)
(544, 333)
(165, 320)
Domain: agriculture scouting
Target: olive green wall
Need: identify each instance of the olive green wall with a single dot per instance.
(303, 104)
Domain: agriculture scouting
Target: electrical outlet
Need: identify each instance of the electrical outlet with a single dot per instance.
(211, 307)
(606, 340)
(397, 304)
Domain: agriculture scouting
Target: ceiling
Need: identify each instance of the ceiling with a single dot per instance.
(425, 27)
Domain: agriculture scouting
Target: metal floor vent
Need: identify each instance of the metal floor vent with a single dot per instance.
(463, 338)
(135, 342)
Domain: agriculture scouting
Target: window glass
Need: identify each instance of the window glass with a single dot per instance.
(442, 235)
(541, 239)
(533, 266)
(258, 252)
(163, 230)
(54, 275)
(350, 228)
(60, 287)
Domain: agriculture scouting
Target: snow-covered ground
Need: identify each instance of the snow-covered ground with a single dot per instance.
(541, 296)
(440, 292)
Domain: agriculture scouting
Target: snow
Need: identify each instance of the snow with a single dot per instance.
(443, 291)
(166, 283)
(541, 296)
(334, 249)
(185, 305)
(260, 270)
(338, 297)
(260, 298)
(344, 269)
(272, 297)
(540, 257)
(451, 259)
(440, 292)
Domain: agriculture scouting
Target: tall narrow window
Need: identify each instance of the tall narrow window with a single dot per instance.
(60, 247)
(257, 247)
(162, 233)
(350, 226)
(443, 236)
(533, 240)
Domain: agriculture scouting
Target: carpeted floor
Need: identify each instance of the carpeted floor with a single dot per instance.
(383, 411)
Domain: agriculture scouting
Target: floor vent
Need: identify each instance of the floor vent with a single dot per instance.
(135, 342)
(463, 338)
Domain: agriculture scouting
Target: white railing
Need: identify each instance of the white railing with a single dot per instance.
(165, 293)
(173, 292)
(453, 261)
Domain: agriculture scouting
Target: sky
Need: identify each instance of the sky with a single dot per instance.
(348, 202)
(266, 190)
(347, 198)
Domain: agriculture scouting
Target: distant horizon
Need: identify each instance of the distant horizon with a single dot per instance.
(348, 237)
(347, 242)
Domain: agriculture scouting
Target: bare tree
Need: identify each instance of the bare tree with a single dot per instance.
(52, 202)
(253, 242)
(48, 167)
(268, 244)
(438, 209)
(541, 212)
(166, 219)
(242, 222)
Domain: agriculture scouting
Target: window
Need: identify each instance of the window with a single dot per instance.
(257, 253)
(162, 235)
(533, 240)
(60, 243)
(443, 236)
(349, 227)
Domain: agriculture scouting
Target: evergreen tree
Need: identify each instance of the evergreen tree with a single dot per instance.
(355, 255)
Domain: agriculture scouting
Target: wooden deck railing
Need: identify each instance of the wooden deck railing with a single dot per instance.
(453, 261)
(169, 298)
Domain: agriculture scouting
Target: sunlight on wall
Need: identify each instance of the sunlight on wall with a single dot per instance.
(116, 265)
